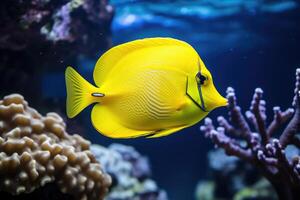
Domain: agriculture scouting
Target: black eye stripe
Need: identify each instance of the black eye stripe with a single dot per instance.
(201, 77)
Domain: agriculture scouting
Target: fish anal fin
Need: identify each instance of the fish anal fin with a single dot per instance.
(108, 124)
(165, 132)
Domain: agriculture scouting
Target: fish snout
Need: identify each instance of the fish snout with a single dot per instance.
(213, 99)
(221, 101)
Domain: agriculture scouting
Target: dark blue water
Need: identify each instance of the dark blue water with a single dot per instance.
(245, 44)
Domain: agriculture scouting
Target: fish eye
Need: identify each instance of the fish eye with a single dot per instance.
(201, 78)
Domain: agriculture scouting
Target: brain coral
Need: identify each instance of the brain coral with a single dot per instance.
(36, 149)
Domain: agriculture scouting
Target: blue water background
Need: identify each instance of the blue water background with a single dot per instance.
(244, 43)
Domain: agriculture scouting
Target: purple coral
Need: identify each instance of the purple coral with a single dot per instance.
(251, 139)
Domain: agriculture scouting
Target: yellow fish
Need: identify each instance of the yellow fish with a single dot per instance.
(150, 87)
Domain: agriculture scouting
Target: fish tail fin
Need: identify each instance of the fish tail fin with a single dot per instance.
(80, 93)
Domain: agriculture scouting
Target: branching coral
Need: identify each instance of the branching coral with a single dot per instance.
(36, 150)
(231, 178)
(259, 147)
(130, 173)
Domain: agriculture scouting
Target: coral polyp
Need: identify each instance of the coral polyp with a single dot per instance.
(36, 150)
(251, 139)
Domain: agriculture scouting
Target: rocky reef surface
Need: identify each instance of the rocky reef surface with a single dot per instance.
(130, 172)
(228, 177)
(40, 160)
(36, 150)
(254, 140)
(46, 35)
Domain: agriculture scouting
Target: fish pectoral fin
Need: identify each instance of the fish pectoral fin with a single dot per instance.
(108, 124)
(165, 132)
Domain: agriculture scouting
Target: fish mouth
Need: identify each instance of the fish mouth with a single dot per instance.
(213, 100)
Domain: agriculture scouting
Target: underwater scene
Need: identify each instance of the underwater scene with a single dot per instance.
(150, 100)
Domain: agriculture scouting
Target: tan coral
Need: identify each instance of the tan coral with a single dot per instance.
(36, 149)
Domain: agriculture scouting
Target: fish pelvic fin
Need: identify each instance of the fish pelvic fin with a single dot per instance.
(80, 93)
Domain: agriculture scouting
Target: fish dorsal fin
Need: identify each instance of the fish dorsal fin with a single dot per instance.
(110, 58)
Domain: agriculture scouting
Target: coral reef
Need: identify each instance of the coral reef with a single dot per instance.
(44, 35)
(258, 145)
(36, 150)
(130, 173)
(230, 178)
(50, 191)
(261, 190)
